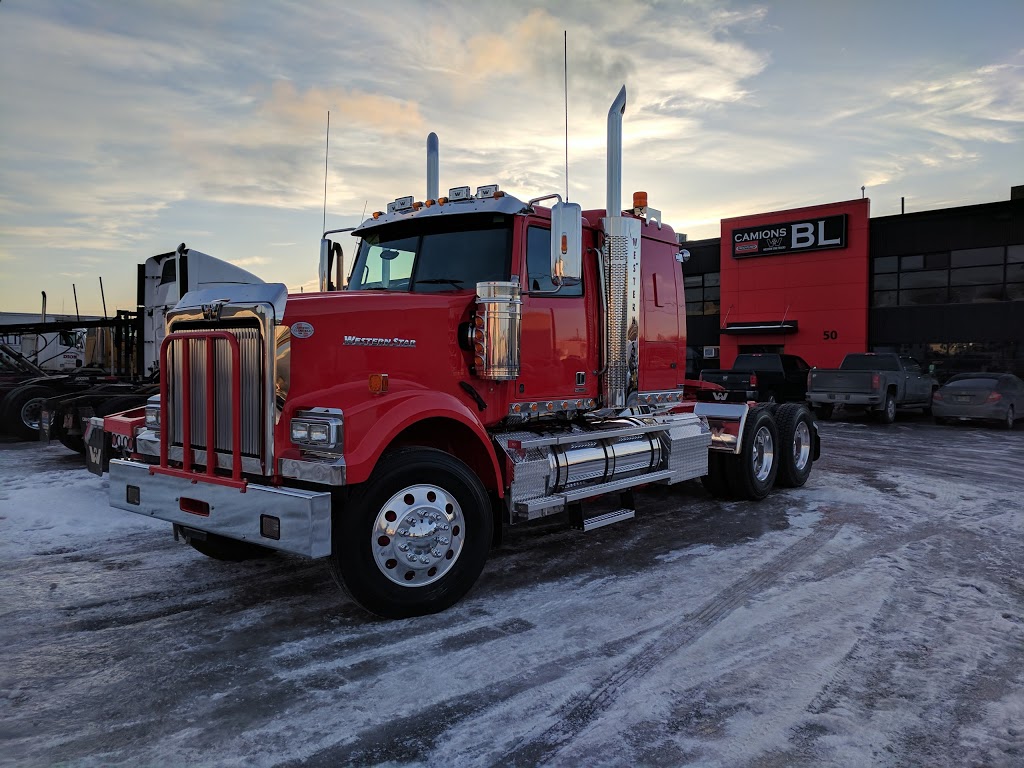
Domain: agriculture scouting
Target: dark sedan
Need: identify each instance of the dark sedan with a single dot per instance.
(980, 396)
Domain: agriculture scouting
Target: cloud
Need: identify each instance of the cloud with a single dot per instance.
(287, 108)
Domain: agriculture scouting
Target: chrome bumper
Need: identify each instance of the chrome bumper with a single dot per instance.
(305, 516)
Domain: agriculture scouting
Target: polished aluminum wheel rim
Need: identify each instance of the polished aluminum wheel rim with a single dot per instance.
(418, 535)
(31, 412)
(801, 445)
(763, 454)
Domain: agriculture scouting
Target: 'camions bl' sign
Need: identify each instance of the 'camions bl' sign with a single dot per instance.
(791, 237)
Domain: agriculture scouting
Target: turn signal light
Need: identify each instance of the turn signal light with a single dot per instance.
(639, 199)
(378, 383)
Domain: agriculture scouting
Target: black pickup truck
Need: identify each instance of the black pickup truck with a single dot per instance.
(873, 382)
(766, 378)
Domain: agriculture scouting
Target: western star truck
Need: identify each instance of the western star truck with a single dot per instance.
(877, 383)
(487, 361)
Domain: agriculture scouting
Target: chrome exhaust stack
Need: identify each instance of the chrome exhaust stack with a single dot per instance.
(433, 167)
(622, 277)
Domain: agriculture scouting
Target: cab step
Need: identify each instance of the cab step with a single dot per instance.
(598, 521)
(609, 509)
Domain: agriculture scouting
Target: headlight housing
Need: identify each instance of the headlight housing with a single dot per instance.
(320, 429)
(153, 412)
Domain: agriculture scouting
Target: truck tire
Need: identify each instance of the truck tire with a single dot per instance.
(228, 550)
(414, 538)
(716, 481)
(824, 412)
(72, 442)
(888, 413)
(21, 409)
(796, 445)
(752, 472)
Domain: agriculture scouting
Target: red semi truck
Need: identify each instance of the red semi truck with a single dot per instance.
(487, 362)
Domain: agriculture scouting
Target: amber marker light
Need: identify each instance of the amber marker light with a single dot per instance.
(378, 383)
(639, 199)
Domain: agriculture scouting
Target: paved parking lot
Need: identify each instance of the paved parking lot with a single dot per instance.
(875, 616)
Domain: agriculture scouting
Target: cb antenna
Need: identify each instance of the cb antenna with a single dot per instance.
(565, 85)
(327, 153)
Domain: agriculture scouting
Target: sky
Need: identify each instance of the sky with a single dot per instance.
(128, 127)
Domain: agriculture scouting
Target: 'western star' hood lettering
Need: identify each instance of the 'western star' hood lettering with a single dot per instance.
(373, 341)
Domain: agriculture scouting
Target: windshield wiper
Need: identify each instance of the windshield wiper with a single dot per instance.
(439, 280)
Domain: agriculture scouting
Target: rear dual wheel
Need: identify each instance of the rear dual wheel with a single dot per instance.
(777, 450)
(796, 436)
(752, 472)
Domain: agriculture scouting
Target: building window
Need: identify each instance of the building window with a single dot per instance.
(971, 275)
(973, 257)
(886, 282)
(945, 359)
(702, 293)
(884, 264)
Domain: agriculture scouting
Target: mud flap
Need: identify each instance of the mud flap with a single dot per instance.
(97, 452)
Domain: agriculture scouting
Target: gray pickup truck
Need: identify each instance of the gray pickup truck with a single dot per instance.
(875, 382)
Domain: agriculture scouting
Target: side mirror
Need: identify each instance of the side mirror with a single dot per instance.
(326, 261)
(566, 242)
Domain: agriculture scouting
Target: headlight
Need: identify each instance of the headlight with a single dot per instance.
(319, 428)
(153, 412)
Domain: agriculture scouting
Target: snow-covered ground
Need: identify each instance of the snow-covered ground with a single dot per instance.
(873, 617)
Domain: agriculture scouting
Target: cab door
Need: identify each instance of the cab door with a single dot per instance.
(559, 336)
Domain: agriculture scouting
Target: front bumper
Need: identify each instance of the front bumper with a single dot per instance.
(305, 516)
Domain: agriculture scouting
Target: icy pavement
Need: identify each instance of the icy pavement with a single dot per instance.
(873, 617)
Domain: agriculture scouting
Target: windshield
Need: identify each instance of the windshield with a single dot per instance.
(448, 253)
(869, 363)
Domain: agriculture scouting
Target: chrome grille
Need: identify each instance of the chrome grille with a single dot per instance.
(253, 368)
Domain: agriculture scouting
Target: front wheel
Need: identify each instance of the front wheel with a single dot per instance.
(414, 538)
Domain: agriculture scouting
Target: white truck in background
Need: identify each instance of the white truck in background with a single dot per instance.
(59, 406)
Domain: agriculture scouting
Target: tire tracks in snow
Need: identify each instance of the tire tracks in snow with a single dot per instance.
(669, 640)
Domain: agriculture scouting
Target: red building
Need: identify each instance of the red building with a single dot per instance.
(796, 281)
(945, 286)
